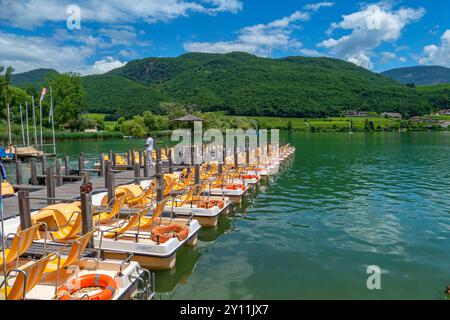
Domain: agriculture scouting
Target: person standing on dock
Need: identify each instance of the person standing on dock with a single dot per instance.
(149, 150)
(2, 170)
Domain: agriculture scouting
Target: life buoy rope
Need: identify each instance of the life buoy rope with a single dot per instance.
(104, 281)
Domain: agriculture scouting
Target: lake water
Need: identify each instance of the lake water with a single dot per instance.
(343, 203)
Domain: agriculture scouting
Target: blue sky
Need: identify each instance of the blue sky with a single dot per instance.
(376, 35)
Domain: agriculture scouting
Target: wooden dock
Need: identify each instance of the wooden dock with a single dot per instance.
(69, 191)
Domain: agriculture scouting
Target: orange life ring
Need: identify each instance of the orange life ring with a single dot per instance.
(89, 280)
(211, 203)
(249, 177)
(162, 234)
(236, 187)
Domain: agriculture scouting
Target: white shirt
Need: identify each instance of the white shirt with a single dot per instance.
(149, 143)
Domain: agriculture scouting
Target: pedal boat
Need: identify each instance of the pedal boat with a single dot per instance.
(39, 275)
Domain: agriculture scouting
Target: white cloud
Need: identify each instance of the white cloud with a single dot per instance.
(318, 6)
(105, 65)
(311, 52)
(437, 54)
(361, 60)
(260, 39)
(369, 27)
(387, 57)
(30, 13)
(26, 53)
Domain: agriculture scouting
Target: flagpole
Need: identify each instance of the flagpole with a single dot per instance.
(26, 117)
(34, 121)
(40, 121)
(52, 112)
(21, 123)
(9, 126)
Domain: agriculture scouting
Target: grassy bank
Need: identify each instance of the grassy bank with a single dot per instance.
(65, 136)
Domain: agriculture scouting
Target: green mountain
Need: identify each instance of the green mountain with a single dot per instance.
(31, 78)
(114, 94)
(422, 75)
(243, 84)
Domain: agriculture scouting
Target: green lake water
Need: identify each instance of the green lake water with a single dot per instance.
(344, 202)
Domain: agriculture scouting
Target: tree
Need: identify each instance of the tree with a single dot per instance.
(68, 99)
(289, 126)
(6, 81)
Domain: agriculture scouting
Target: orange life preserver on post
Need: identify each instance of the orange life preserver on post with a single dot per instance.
(162, 234)
(89, 280)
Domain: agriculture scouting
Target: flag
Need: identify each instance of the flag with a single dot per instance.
(44, 92)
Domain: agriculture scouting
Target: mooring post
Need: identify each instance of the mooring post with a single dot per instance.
(81, 164)
(101, 165)
(128, 158)
(197, 173)
(111, 187)
(137, 174)
(224, 154)
(24, 209)
(159, 177)
(146, 167)
(247, 155)
(67, 165)
(140, 158)
(133, 158)
(236, 157)
(50, 186)
(18, 172)
(169, 155)
(114, 161)
(110, 155)
(59, 177)
(86, 210)
(44, 163)
(107, 171)
(33, 173)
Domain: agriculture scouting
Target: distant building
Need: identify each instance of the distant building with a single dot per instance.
(416, 119)
(354, 113)
(445, 112)
(394, 115)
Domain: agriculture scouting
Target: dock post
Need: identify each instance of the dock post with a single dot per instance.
(67, 165)
(114, 161)
(146, 168)
(220, 169)
(247, 155)
(110, 155)
(86, 210)
(24, 209)
(50, 186)
(137, 174)
(169, 155)
(224, 154)
(33, 173)
(80, 164)
(236, 157)
(140, 158)
(18, 172)
(111, 187)
(59, 177)
(102, 165)
(128, 158)
(133, 158)
(197, 174)
(159, 177)
(44, 163)
(107, 171)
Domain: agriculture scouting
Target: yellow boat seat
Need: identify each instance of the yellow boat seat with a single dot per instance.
(21, 242)
(26, 279)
